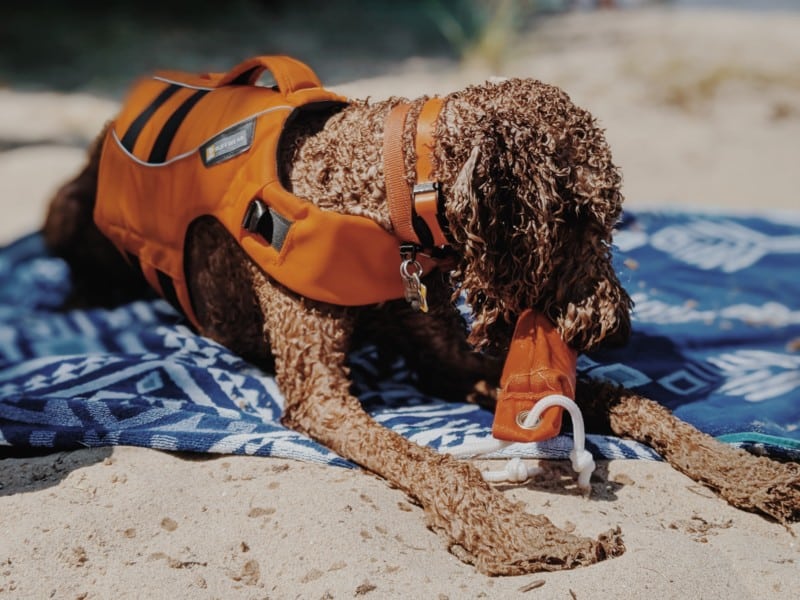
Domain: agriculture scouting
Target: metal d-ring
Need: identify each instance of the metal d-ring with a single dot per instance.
(413, 263)
(414, 290)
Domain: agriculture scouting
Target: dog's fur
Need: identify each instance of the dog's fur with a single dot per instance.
(531, 196)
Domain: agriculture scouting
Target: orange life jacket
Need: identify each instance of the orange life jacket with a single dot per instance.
(184, 146)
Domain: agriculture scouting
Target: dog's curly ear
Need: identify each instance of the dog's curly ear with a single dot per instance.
(531, 210)
(465, 196)
(590, 307)
(537, 251)
(479, 211)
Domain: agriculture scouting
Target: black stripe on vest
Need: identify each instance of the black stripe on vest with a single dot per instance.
(129, 139)
(159, 152)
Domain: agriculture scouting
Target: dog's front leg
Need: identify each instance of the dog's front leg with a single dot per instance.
(309, 342)
(749, 482)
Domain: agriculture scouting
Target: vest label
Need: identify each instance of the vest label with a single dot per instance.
(229, 143)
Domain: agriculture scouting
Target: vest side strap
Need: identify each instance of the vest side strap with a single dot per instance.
(424, 143)
(398, 192)
(426, 192)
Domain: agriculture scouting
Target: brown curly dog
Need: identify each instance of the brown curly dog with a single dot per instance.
(530, 197)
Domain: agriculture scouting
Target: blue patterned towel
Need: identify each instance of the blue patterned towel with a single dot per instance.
(716, 339)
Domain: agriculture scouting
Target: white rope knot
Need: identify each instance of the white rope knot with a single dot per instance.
(583, 465)
(515, 470)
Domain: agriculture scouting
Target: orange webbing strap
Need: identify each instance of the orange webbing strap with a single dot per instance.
(398, 193)
(426, 128)
(426, 192)
(414, 213)
(538, 364)
(290, 74)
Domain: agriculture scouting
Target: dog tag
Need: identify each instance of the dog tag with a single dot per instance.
(416, 294)
(421, 301)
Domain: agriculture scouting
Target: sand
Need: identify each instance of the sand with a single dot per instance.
(702, 109)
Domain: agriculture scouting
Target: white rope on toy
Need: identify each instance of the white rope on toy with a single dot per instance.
(515, 470)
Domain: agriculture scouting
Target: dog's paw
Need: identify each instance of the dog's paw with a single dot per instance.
(541, 548)
(483, 527)
(777, 494)
(755, 483)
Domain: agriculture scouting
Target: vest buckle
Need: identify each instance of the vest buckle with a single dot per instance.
(264, 221)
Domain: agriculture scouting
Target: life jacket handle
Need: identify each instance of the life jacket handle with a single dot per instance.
(289, 73)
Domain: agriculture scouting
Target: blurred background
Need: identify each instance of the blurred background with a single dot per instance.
(98, 47)
(700, 99)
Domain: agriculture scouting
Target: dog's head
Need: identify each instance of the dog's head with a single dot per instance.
(531, 206)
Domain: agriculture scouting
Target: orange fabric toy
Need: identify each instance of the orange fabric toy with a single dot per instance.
(538, 364)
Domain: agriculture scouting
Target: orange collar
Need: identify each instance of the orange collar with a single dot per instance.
(417, 213)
